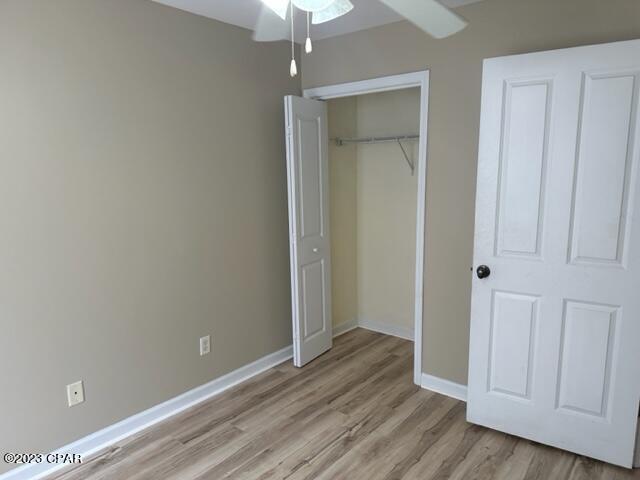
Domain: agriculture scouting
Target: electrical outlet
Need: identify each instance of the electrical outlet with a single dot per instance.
(75, 393)
(205, 345)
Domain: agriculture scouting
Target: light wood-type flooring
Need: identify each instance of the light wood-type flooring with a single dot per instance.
(352, 414)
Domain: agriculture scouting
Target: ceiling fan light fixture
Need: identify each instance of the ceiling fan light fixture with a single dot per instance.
(280, 7)
(333, 11)
(312, 5)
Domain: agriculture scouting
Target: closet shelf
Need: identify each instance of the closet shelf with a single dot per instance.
(395, 139)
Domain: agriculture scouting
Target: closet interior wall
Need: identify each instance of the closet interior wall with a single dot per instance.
(373, 211)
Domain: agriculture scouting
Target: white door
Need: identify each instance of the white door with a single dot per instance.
(555, 327)
(308, 179)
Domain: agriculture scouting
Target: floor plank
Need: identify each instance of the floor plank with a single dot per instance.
(354, 413)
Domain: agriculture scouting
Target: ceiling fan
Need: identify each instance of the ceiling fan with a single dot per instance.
(428, 15)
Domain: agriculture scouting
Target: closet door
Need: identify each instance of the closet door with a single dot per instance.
(308, 175)
(555, 317)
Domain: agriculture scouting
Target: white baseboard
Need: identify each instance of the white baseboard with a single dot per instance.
(129, 426)
(344, 328)
(444, 387)
(387, 329)
(108, 436)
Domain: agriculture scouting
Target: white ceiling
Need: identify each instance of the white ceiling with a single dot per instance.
(244, 13)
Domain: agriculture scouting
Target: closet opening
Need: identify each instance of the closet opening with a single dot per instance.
(377, 155)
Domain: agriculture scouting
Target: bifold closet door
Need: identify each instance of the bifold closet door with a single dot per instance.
(555, 317)
(308, 185)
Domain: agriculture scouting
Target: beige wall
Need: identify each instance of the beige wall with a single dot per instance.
(343, 117)
(373, 210)
(387, 202)
(143, 205)
(497, 27)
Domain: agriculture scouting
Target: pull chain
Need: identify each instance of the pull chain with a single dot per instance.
(308, 47)
(294, 68)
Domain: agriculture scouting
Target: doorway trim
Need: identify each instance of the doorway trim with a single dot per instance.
(385, 84)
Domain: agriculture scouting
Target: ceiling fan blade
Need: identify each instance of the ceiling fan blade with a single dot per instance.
(270, 27)
(278, 6)
(429, 15)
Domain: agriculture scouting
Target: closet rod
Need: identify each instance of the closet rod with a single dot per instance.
(395, 139)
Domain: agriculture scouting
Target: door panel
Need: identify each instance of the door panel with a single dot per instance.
(314, 316)
(602, 187)
(512, 343)
(522, 168)
(587, 348)
(308, 176)
(555, 328)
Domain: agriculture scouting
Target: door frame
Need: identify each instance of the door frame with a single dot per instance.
(384, 84)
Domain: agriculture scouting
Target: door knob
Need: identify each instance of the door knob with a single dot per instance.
(483, 271)
(316, 250)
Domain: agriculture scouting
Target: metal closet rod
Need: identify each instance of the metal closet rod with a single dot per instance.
(342, 141)
(395, 139)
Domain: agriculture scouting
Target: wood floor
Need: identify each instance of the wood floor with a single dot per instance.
(353, 414)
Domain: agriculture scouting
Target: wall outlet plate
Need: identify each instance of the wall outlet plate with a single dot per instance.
(205, 345)
(75, 393)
